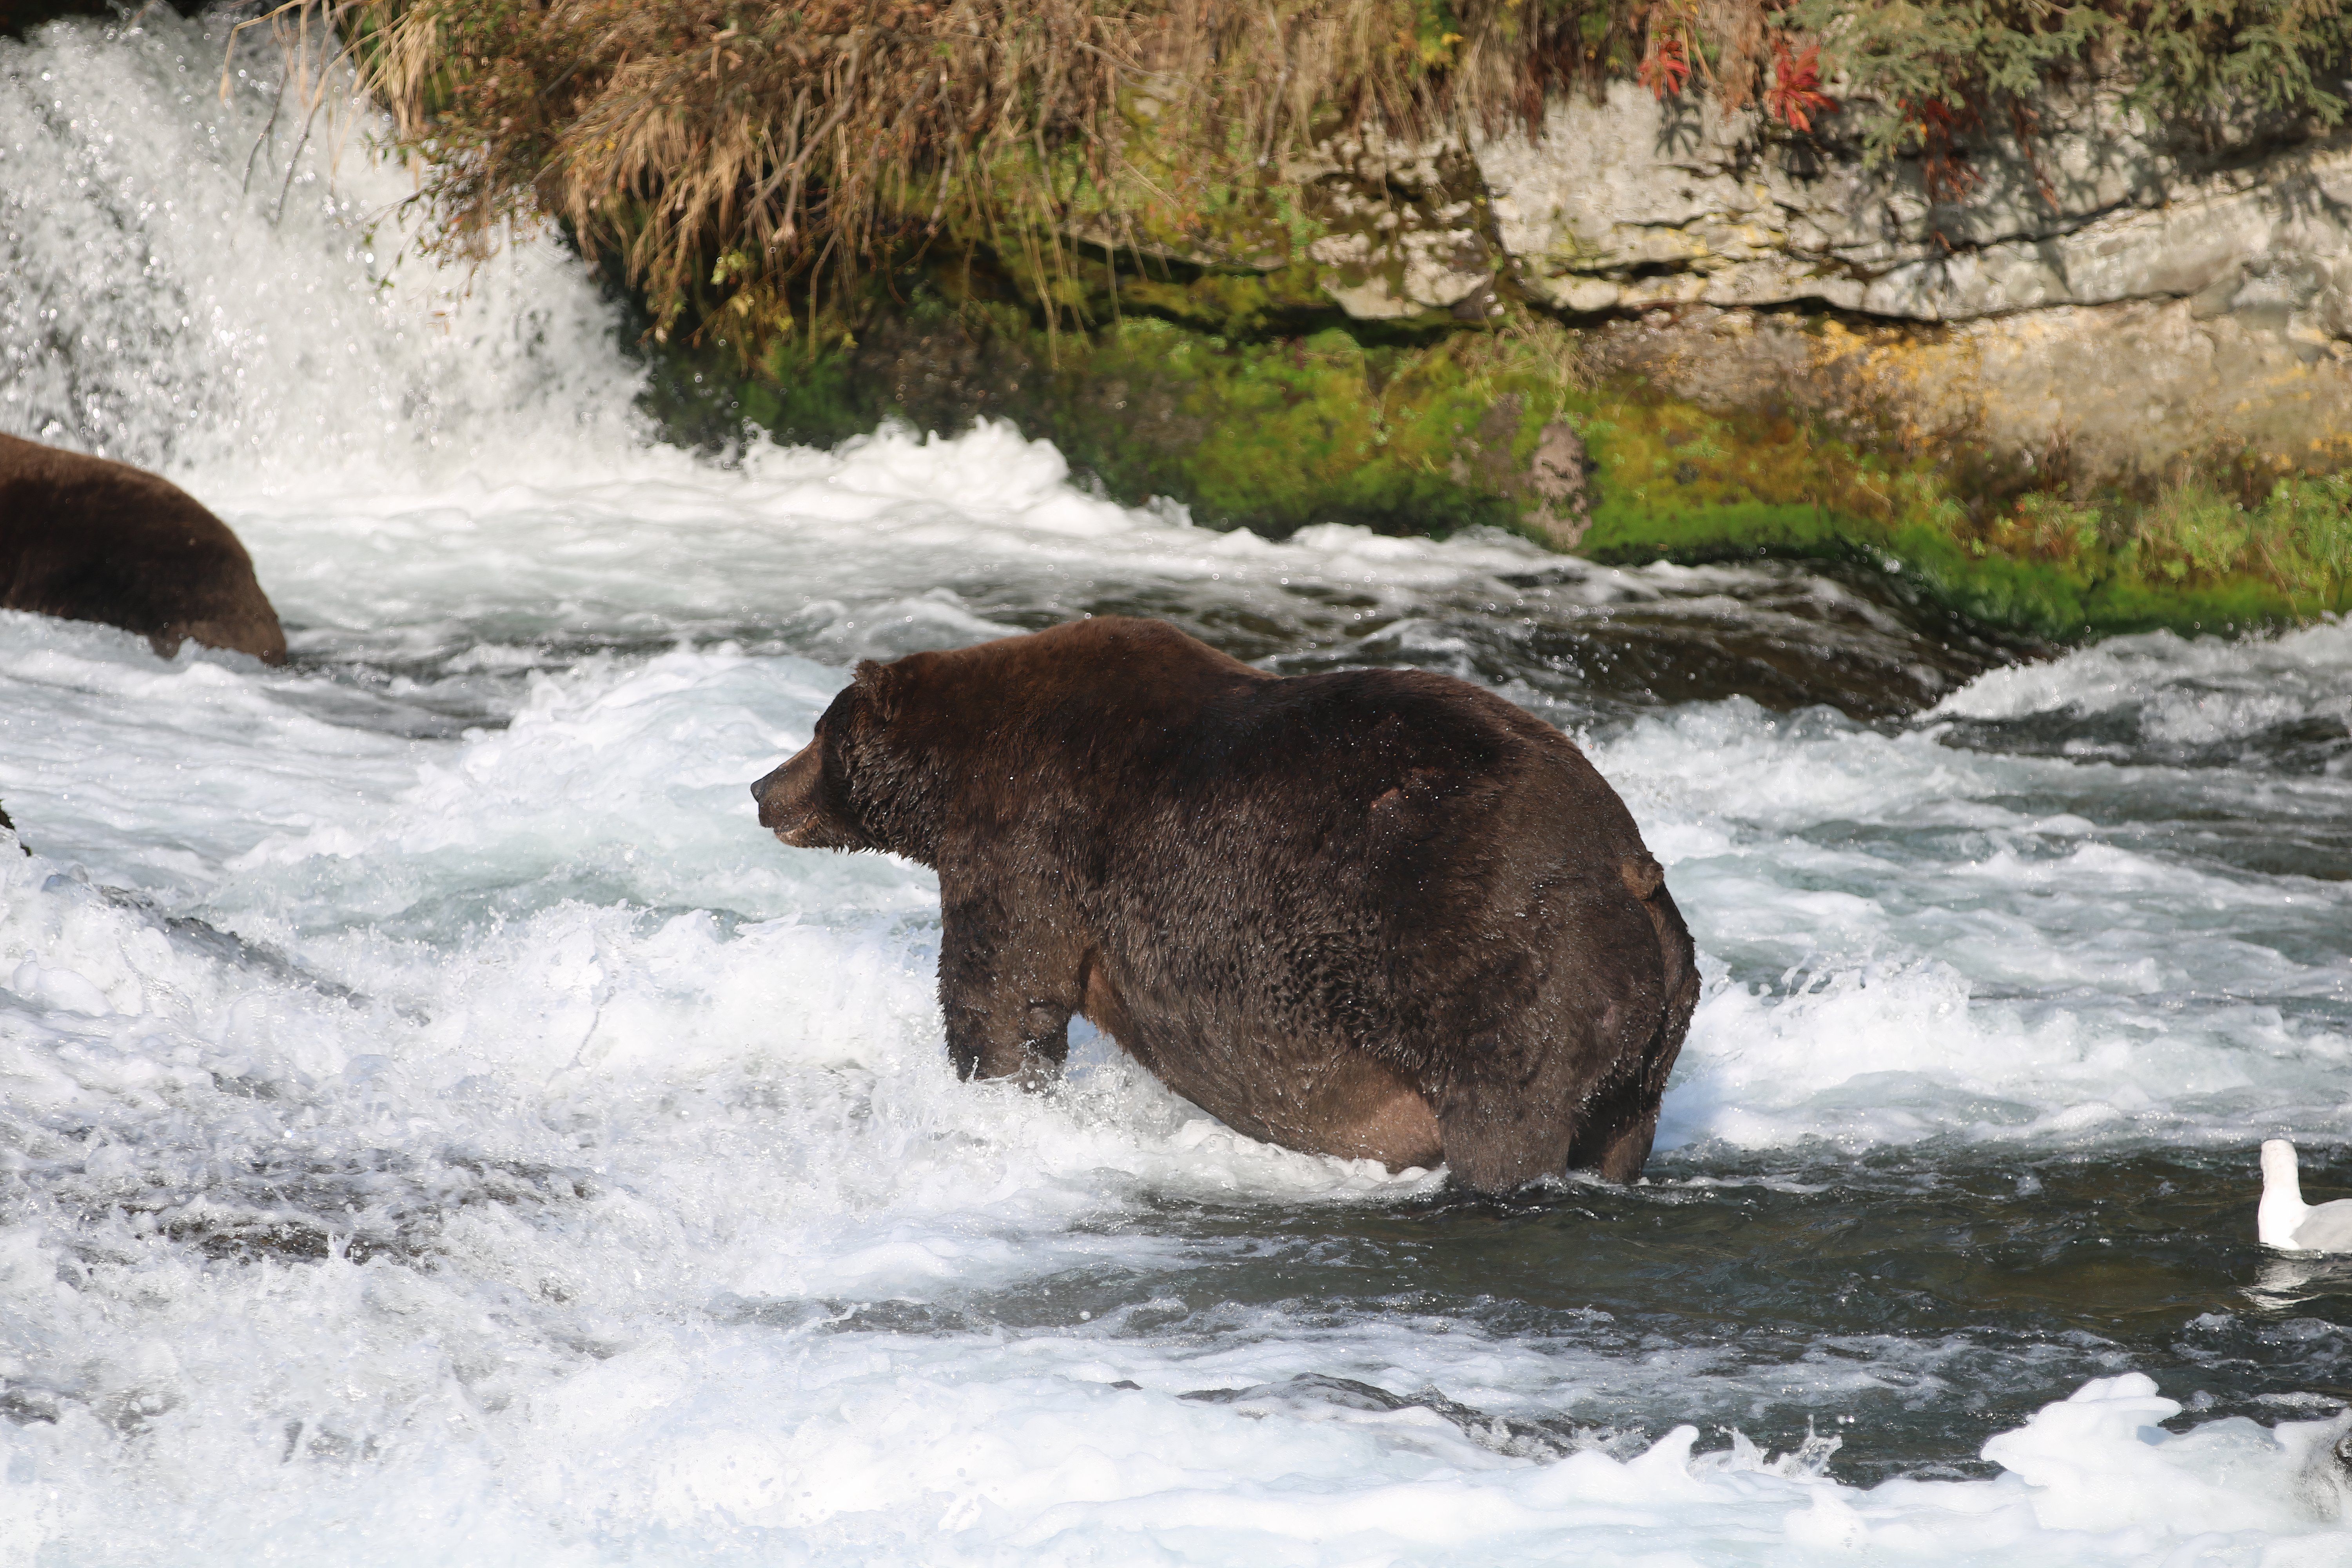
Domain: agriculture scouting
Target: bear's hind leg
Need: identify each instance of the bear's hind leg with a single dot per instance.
(1616, 1141)
(1500, 1127)
(1624, 1159)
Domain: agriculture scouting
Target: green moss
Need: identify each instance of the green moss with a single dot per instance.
(1228, 304)
(1680, 483)
(1274, 436)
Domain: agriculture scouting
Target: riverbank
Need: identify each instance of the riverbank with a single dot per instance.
(1526, 427)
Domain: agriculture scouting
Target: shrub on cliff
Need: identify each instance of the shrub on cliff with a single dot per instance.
(1935, 71)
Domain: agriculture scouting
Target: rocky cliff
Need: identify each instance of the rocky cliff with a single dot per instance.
(2105, 292)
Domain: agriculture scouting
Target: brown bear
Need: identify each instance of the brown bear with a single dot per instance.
(87, 540)
(1378, 913)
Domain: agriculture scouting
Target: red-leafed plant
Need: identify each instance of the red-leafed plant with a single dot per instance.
(1795, 97)
(1667, 65)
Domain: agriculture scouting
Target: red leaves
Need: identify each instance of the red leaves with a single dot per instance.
(1666, 66)
(1936, 120)
(1795, 98)
(1943, 166)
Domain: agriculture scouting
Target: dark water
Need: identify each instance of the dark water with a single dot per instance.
(1600, 644)
(1912, 1305)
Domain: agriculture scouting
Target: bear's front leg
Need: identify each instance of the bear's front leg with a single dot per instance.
(1006, 989)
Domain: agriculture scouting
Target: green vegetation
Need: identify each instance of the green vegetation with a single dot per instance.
(1932, 71)
(1274, 434)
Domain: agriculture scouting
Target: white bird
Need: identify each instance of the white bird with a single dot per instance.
(2285, 1221)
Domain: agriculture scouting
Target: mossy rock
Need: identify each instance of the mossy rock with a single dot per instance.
(1430, 435)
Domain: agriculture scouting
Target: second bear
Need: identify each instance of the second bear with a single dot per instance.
(88, 539)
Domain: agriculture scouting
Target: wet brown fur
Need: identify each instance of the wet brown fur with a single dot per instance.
(88, 539)
(1376, 913)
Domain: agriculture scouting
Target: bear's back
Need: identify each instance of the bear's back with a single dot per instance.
(1396, 754)
(1336, 818)
(84, 538)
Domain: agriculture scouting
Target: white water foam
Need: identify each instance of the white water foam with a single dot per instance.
(612, 1100)
(1932, 942)
(2180, 690)
(431, 1145)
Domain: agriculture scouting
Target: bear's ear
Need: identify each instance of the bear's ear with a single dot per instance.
(880, 684)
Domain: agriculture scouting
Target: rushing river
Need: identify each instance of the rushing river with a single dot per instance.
(436, 1125)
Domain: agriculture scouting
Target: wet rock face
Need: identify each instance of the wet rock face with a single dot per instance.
(1550, 485)
(2114, 295)
(2076, 395)
(1628, 204)
(1407, 234)
(88, 539)
(1557, 476)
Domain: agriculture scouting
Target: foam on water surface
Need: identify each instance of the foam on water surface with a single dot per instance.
(436, 1125)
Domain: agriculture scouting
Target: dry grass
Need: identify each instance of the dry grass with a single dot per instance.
(731, 151)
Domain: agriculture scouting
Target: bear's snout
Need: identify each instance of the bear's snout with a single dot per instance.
(788, 797)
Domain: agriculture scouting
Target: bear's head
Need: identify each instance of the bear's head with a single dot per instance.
(800, 805)
(851, 786)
